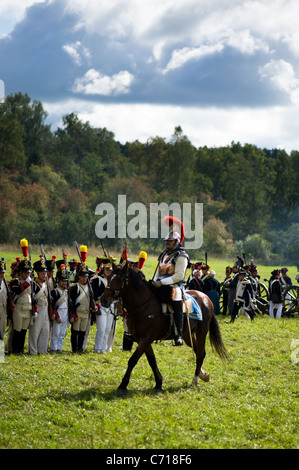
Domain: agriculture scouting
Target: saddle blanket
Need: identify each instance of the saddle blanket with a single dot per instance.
(194, 308)
(191, 304)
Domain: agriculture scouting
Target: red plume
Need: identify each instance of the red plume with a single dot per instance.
(177, 225)
(142, 258)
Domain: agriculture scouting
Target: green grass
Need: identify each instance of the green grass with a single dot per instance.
(69, 401)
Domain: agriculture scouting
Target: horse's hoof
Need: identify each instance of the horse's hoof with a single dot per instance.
(121, 392)
(158, 390)
(205, 376)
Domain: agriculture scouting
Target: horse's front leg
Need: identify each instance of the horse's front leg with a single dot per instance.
(153, 363)
(122, 389)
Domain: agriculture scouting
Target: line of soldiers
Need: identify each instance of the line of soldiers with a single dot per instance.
(46, 304)
(240, 288)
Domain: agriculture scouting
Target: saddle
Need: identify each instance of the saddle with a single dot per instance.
(190, 307)
(187, 307)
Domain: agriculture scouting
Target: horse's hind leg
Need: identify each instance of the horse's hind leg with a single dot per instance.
(153, 363)
(200, 352)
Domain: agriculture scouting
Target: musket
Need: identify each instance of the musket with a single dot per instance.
(32, 293)
(68, 281)
(104, 251)
(92, 304)
(50, 309)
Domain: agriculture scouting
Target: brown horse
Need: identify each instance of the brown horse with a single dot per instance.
(147, 323)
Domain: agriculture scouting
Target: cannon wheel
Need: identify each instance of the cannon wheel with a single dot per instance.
(291, 302)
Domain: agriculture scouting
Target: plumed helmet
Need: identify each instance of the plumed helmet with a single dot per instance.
(178, 229)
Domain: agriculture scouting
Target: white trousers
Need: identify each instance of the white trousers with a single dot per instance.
(278, 308)
(59, 330)
(39, 332)
(105, 332)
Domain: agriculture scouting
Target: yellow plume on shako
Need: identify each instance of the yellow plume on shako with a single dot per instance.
(83, 252)
(24, 247)
(142, 258)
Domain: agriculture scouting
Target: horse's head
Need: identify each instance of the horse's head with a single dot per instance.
(116, 284)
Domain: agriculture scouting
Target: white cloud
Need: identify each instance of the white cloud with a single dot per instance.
(246, 43)
(152, 36)
(241, 40)
(264, 127)
(77, 52)
(94, 83)
(181, 56)
(247, 25)
(282, 75)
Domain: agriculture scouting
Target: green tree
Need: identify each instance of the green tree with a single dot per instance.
(181, 164)
(30, 117)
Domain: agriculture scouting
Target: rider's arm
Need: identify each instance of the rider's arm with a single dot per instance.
(179, 274)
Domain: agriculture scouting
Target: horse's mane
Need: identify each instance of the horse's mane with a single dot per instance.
(165, 294)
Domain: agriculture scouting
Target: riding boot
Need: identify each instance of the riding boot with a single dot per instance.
(178, 320)
(127, 342)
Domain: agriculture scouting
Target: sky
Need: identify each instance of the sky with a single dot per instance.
(223, 70)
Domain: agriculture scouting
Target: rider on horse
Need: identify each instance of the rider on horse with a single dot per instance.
(173, 262)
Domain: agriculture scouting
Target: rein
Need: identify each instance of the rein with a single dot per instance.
(117, 296)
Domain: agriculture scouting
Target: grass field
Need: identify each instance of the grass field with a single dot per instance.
(68, 401)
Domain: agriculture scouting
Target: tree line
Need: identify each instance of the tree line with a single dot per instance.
(51, 182)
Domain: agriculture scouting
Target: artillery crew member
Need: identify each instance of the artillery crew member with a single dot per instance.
(243, 297)
(276, 295)
(172, 266)
(39, 330)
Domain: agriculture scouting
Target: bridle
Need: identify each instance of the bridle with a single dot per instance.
(116, 292)
(116, 296)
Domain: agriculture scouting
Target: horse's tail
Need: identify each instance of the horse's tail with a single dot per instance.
(216, 339)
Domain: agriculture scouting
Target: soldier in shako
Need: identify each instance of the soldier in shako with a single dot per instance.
(21, 288)
(73, 266)
(98, 283)
(173, 263)
(60, 306)
(80, 308)
(39, 330)
(106, 317)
